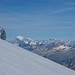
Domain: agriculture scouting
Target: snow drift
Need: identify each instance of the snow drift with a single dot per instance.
(17, 61)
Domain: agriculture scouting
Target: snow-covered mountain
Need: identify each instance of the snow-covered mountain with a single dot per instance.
(60, 51)
(17, 61)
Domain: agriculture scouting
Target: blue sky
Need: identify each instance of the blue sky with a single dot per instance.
(38, 19)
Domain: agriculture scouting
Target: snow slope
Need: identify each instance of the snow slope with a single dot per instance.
(17, 61)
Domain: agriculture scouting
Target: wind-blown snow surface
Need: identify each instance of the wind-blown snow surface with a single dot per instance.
(17, 61)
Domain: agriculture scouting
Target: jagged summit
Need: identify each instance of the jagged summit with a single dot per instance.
(28, 41)
(2, 33)
(60, 51)
(20, 38)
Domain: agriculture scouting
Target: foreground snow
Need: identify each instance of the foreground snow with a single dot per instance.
(17, 61)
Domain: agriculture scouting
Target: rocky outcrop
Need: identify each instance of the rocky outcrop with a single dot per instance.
(2, 33)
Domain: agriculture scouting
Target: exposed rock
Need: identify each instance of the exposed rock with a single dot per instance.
(2, 33)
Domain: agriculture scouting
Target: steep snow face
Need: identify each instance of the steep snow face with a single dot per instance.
(17, 61)
(60, 51)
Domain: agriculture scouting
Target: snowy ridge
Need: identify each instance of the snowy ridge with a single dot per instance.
(62, 47)
(17, 61)
(59, 51)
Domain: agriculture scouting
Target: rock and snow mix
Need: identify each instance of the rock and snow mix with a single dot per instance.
(2, 33)
(60, 51)
(17, 61)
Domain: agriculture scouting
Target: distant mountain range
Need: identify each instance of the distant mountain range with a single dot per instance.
(60, 51)
(17, 61)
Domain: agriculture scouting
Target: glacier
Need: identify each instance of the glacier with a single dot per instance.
(17, 61)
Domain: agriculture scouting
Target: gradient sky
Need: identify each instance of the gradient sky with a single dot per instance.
(38, 19)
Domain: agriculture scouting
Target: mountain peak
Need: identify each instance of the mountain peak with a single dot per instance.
(2, 33)
(20, 38)
(17, 61)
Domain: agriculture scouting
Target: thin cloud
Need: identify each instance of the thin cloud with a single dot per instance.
(60, 27)
(70, 3)
(62, 10)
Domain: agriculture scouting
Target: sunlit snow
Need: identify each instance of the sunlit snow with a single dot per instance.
(17, 61)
